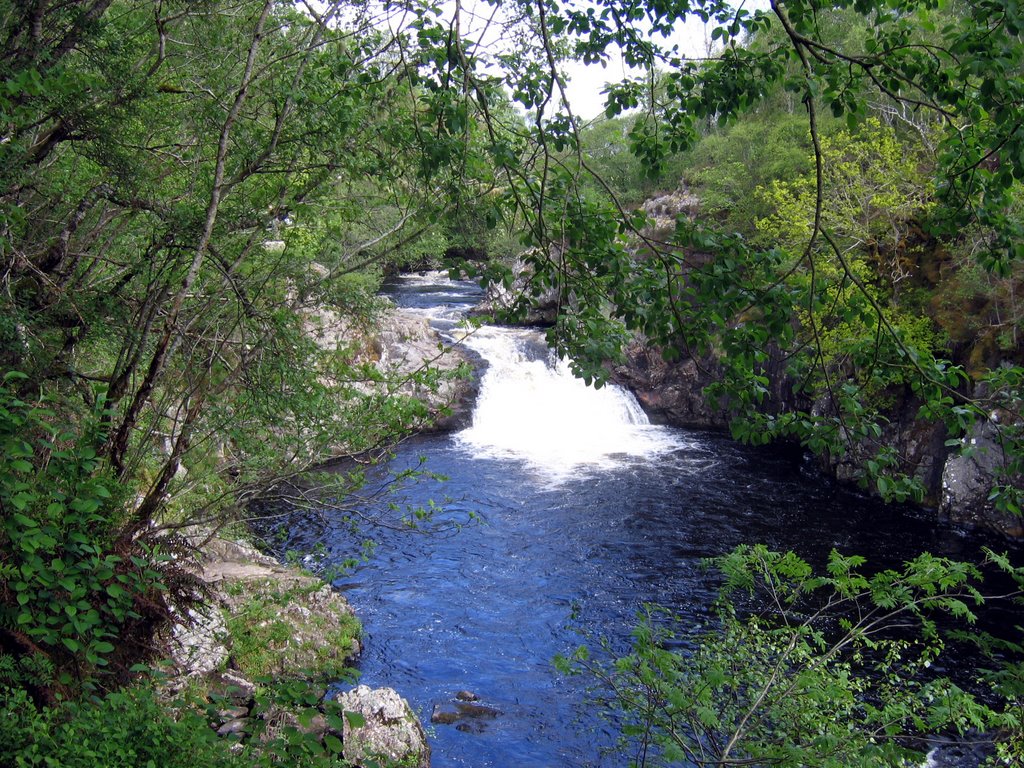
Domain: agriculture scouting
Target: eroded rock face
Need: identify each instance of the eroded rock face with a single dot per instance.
(390, 729)
(958, 486)
(197, 641)
(919, 445)
(967, 480)
(670, 392)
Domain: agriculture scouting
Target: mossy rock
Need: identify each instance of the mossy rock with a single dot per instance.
(295, 628)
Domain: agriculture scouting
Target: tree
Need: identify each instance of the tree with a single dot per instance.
(705, 292)
(187, 190)
(826, 669)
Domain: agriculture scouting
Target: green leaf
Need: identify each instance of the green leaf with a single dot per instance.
(115, 591)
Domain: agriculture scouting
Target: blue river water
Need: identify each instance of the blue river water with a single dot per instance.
(553, 534)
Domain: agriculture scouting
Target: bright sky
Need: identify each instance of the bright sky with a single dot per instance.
(481, 21)
(587, 81)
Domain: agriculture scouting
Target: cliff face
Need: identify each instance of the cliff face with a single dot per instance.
(957, 482)
(670, 392)
(957, 479)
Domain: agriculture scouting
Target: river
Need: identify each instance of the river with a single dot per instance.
(578, 512)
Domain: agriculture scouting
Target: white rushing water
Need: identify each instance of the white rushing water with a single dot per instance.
(532, 408)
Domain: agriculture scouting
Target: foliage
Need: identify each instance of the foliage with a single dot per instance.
(815, 321)
(69, 592)
(728, 166)
(127, 728)
(197, 204)
(875, 187)
(198, 201)
(133, 728)
(262, 631)
(826, 669)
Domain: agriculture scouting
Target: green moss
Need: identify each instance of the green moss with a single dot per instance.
(279, 630)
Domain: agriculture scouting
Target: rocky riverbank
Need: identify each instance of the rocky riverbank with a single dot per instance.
(256, 625)
(957, 478)
(411, 360)
(259, 627)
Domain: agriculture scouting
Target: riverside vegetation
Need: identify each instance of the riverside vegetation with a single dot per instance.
(188, 189)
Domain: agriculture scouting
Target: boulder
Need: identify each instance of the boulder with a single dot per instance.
(197, 641)
(452, 712)
(295, 627)
(670, 392)
(403, 347)
(967, 480)
(384, 727)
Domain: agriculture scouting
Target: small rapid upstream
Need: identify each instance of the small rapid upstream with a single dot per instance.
(585, 512)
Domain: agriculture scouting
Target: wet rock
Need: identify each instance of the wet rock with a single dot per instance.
(389, 729)
(444, 714)
(968, 478)
(477, 711)
(465, 713)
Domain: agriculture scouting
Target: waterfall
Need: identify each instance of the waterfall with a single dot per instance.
(532, 408)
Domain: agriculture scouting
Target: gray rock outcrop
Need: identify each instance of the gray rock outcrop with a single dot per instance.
(968, 478)
(236, 573)
(540, 307)
(197, 640)
(406, 346)
(408, 353)
(665, 210)
(383, 727)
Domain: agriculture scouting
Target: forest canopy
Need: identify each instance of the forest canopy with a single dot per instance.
(184, 185)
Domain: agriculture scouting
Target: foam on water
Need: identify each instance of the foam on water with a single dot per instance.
(532, 408)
